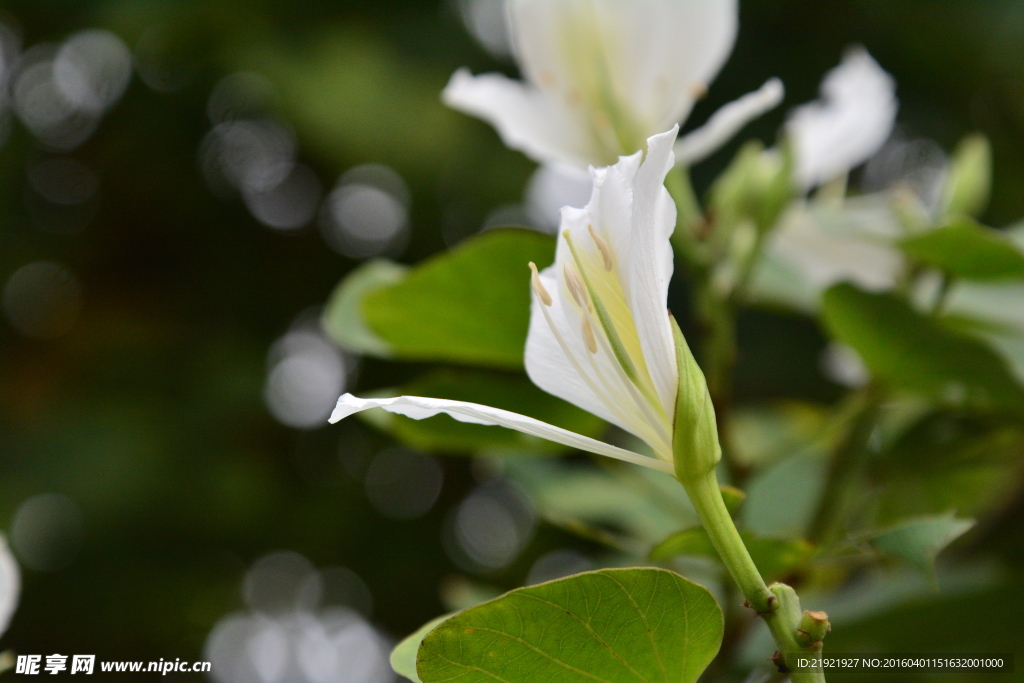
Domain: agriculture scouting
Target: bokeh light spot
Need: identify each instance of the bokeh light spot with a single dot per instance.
(402, 483)
(47, 532)
(42, 300)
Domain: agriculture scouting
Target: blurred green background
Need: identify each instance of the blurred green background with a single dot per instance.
(142, 414)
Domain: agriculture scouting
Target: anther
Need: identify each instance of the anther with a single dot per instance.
(574, 283)
(542, 293)
(605, 251)
(588, 336)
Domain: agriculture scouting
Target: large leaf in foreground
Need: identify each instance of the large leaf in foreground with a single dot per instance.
(509, 391)
(403, 657)
(470, 305)
(611, 625)
(916, 352)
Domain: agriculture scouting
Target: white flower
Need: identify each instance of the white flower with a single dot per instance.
(600, 334)
(819, 243)
(850, 122)
(10, 584)
(601, 76)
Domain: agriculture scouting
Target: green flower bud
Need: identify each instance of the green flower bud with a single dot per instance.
(970, 177)
(814, 626)
(695, 430)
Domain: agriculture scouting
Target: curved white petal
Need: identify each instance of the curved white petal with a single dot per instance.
(727, 121)
(850, 122)
(524, 117)
(605, 343)
(10, 584)
(650, 267)
(419, 408)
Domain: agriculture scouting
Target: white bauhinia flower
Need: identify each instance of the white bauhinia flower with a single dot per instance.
(601, 76)
(10, 584)
(818, 243)
(851, 121)
(600, 333)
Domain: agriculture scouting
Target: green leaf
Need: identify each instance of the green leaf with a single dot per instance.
(642, 506)
(947, 460)
(775, 558)
(921, 540)
(403, 657)
(514, 392)
(470, 305)
(342, 320)
(782, 499)
(969, 182)
(611, 625)
(733, 498)
(916, 352)
(968, 250)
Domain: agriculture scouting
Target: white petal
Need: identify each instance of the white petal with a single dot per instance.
(419, 408)
(633, 213)
(850, 122)
(649, 269)
(640, 64)
(727, 121)
(10, 584)
(826, 245)
(524, 117)
(547, 364)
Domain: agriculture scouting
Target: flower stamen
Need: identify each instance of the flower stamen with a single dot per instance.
(588, 336)
(574, 283)
(606, 253)
(538, 287)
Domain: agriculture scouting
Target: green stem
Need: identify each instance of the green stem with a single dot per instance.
(778, 605)
(740, 290)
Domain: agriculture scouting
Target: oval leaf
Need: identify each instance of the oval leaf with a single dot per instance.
(342, 320)
(403, 657)
(610, 625)
(968, 250)
(470, 305)
(917, 352)
(920, 541)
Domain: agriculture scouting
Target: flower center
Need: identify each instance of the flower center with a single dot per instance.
(614, 366)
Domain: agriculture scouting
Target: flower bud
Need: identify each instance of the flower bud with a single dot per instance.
(814, 626)
(695, 443)
(970, 177)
